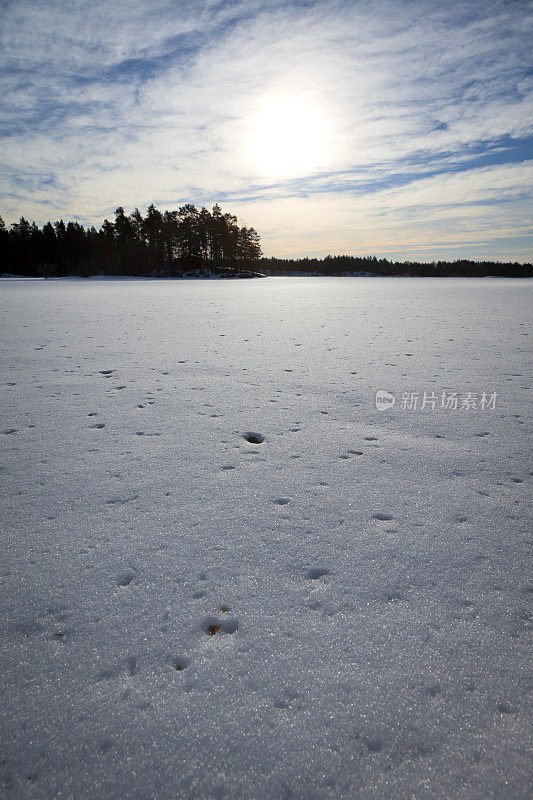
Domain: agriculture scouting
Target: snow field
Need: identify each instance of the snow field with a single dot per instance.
(225, 574)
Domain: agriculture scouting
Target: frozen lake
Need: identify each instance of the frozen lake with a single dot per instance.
(337, 611)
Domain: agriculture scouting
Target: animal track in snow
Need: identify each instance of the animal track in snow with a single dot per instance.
(315, 573)
(214, 625)
(128, 667)
(126, 578)
(374, 745)
(254, 438)
(393, 597)
(230, 626)
(180, 663)
(285, 700)
(120, 501)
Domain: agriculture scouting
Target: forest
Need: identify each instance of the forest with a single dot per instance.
(173, 243)
(353, 265)
(159, 244)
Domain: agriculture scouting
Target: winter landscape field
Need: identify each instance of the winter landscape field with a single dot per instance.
(224, 573)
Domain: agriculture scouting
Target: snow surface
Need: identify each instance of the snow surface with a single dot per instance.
(338, 611)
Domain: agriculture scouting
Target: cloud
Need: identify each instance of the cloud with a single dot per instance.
(131, 103)
(481, 212)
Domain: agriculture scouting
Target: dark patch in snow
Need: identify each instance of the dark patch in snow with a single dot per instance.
(254, 438)
(125, 578)
(316, 573)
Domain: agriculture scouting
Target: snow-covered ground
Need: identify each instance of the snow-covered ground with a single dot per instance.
(338, 611)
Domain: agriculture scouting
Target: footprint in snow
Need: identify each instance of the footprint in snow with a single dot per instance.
(316, 573)
(126, 578)
(374, 745)
(254, 438)
(126, 667)
(285, 700)
(393, 597)
(120, 501)
(214, 625)
(180, 663)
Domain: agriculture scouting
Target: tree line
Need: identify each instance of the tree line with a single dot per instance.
(160, 243)
(171, 243)
(348, 265)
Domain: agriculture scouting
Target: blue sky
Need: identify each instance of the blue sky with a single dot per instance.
(396, 128)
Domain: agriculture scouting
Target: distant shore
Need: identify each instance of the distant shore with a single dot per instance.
(191, 277)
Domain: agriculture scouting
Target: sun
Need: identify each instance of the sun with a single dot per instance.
(288, 135)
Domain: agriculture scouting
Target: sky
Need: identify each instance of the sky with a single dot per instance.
(401, 128)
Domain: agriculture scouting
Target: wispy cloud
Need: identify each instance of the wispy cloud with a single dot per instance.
(427, 106)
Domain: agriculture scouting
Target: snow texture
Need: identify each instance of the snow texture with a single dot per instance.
(225, 574)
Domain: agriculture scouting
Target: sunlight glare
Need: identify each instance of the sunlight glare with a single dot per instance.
(288, 136)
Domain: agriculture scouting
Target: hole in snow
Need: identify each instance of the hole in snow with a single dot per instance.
(126, 578)
(180, 663)
(316, 573)
(213, 628)
(254, 438)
